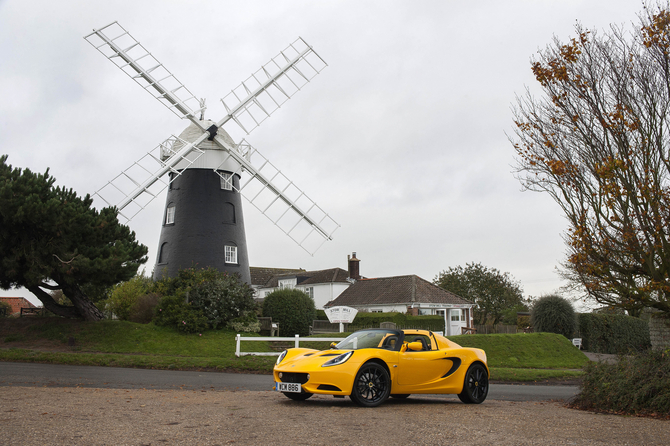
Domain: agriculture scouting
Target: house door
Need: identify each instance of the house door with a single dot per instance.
(456, 321)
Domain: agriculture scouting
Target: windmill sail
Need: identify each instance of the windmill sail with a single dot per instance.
(262, 93)
(117, 45)
(288, 207)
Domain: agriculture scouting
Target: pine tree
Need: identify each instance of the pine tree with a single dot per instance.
(52, 239)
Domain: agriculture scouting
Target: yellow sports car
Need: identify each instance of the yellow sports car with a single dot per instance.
(371, 365)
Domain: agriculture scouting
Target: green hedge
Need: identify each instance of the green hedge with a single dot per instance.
(635, 384)
(402, 320)
(613, 333)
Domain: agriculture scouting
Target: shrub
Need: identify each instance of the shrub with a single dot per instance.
(186, 279)
(206, 293)
(553, 314)
(142, 311)
(292, 309)
(222, 299)
(613, 333)
(246, 323)
(174, 311)
(636, 384)
(5, 309)
(124, 295)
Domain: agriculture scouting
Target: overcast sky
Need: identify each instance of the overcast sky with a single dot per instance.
(401, 139)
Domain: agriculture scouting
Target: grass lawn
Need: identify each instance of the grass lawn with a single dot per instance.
(518, 357)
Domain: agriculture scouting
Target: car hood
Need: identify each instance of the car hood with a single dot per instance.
(307, 358)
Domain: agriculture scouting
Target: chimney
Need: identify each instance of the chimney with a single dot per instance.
(354, 272)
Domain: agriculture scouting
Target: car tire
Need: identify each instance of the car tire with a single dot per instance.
(475, 385)
(400, 396)
(372, 385)
(302, 396)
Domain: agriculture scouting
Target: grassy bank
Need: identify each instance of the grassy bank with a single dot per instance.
(520, 357)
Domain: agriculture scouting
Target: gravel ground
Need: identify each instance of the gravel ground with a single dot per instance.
(86, 416)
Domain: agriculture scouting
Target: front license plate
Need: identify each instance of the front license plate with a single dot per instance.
(288, 387)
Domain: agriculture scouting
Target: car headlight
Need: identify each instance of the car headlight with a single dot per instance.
(337, 360)
(281, 357)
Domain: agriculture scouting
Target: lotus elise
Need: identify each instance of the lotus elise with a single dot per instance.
(371, 365)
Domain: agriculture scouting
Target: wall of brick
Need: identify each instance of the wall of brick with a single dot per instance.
(17, 303)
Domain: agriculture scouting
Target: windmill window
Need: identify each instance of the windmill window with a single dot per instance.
(229, 213)
(226, 181)
(231, 254)
(163, 255)
(169, 215)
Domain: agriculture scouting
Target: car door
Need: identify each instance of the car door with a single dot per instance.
(421, 367)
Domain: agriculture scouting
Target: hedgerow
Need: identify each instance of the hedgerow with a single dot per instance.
(402, 320)
(613, 333)
(636, 384)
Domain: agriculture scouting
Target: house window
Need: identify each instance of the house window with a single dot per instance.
(226, 181)
(455, 315)
(287, 284)
(169, 215)
(310, 292)
(376, 311)
(231, 254)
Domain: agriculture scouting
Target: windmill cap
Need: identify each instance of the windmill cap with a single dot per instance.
(193, 132)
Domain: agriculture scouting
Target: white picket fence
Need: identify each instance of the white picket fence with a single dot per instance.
(239, 339)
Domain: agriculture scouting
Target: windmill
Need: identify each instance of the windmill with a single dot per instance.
(205, 171)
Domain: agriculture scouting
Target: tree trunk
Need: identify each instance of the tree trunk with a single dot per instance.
(51, 305)
(87, 309)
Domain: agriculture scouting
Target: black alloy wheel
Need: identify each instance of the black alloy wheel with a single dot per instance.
(372, 385)
(475, 386)
(302, 396)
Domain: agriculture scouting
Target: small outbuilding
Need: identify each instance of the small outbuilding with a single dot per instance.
(17, 303)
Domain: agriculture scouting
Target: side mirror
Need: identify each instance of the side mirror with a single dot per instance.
(415, 346)
(333, 345)
(403, 347)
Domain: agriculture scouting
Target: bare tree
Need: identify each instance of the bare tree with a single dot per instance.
(596, 141)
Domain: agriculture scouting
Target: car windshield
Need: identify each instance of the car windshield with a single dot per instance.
(376, 338)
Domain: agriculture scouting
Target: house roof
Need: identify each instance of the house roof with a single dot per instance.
(311, 277)
(395, 290)
(261, 275)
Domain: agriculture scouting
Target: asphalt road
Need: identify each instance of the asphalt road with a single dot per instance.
(55, 375)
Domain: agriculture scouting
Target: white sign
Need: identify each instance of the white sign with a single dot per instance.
(341, 315)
